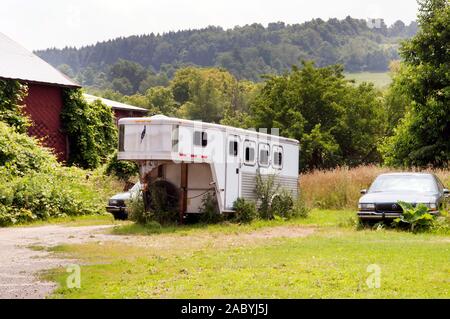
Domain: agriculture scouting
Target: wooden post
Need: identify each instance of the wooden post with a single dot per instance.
(184, 190)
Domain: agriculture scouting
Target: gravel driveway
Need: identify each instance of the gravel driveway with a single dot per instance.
(20, 264)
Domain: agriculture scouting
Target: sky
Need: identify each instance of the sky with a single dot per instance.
(59, 23)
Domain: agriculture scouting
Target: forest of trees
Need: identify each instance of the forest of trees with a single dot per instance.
(248, 52)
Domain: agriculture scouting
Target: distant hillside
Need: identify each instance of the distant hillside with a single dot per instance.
(247, 52)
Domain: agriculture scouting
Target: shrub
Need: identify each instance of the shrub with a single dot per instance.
(415, 218)
(282, 205)
(40, 195)
(245, 211)
(137, 212)
(123, 170)
(159, 203)
(33, 185)
(91, 129)
(209, 210)
(21, 154)
(12, 94)
(300, 209)
(265, 190)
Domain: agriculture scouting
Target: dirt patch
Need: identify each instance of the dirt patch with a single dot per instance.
(23, 254)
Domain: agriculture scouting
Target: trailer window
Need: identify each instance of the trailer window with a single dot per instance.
(200, 138)
(264, 154)
(233, 148)
(249, 155)
(277, 157)
(121, 138)
(175, 138)
(249, 152)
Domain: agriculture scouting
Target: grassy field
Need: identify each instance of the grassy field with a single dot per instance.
(380, 79)
(322, 256)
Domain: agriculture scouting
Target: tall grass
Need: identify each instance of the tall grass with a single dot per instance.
(340, 188)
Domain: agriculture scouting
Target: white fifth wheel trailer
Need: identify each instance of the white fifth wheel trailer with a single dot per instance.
(197, 157)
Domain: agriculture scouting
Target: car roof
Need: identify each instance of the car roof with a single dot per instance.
(407, 174)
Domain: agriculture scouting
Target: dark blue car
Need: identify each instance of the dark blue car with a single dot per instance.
(381, 200)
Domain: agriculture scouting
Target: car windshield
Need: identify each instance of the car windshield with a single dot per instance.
(404, 183)
(135, 188)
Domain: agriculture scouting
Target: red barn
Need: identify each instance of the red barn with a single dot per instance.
(44, 100)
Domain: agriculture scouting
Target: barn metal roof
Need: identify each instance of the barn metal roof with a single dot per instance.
(18, 63)
(114, 104)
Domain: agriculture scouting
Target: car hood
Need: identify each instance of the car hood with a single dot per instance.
(121, 196)
(395, 197)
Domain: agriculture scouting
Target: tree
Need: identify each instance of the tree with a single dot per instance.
(127, 76)
(161, 101)
(423, 136)
(336, 122)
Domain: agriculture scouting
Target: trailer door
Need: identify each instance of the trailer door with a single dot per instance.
(232, 168)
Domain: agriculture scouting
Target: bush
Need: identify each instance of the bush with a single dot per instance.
(40, 195)
(415, 218)
(265, 190)
(137, 212)
(33, 185)
(21, 154)
(12, 94)
(300, 210)
(123, 170)
(282, 205)
(245, 211)
(209, 210)
(159, 203)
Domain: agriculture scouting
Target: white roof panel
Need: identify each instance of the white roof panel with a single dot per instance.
(114, 104)
(18, 63)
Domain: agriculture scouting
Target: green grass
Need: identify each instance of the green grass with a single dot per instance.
(379, 79)
(323, 218)
(331, 263)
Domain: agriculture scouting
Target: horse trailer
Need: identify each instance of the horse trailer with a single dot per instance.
(195, 158)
